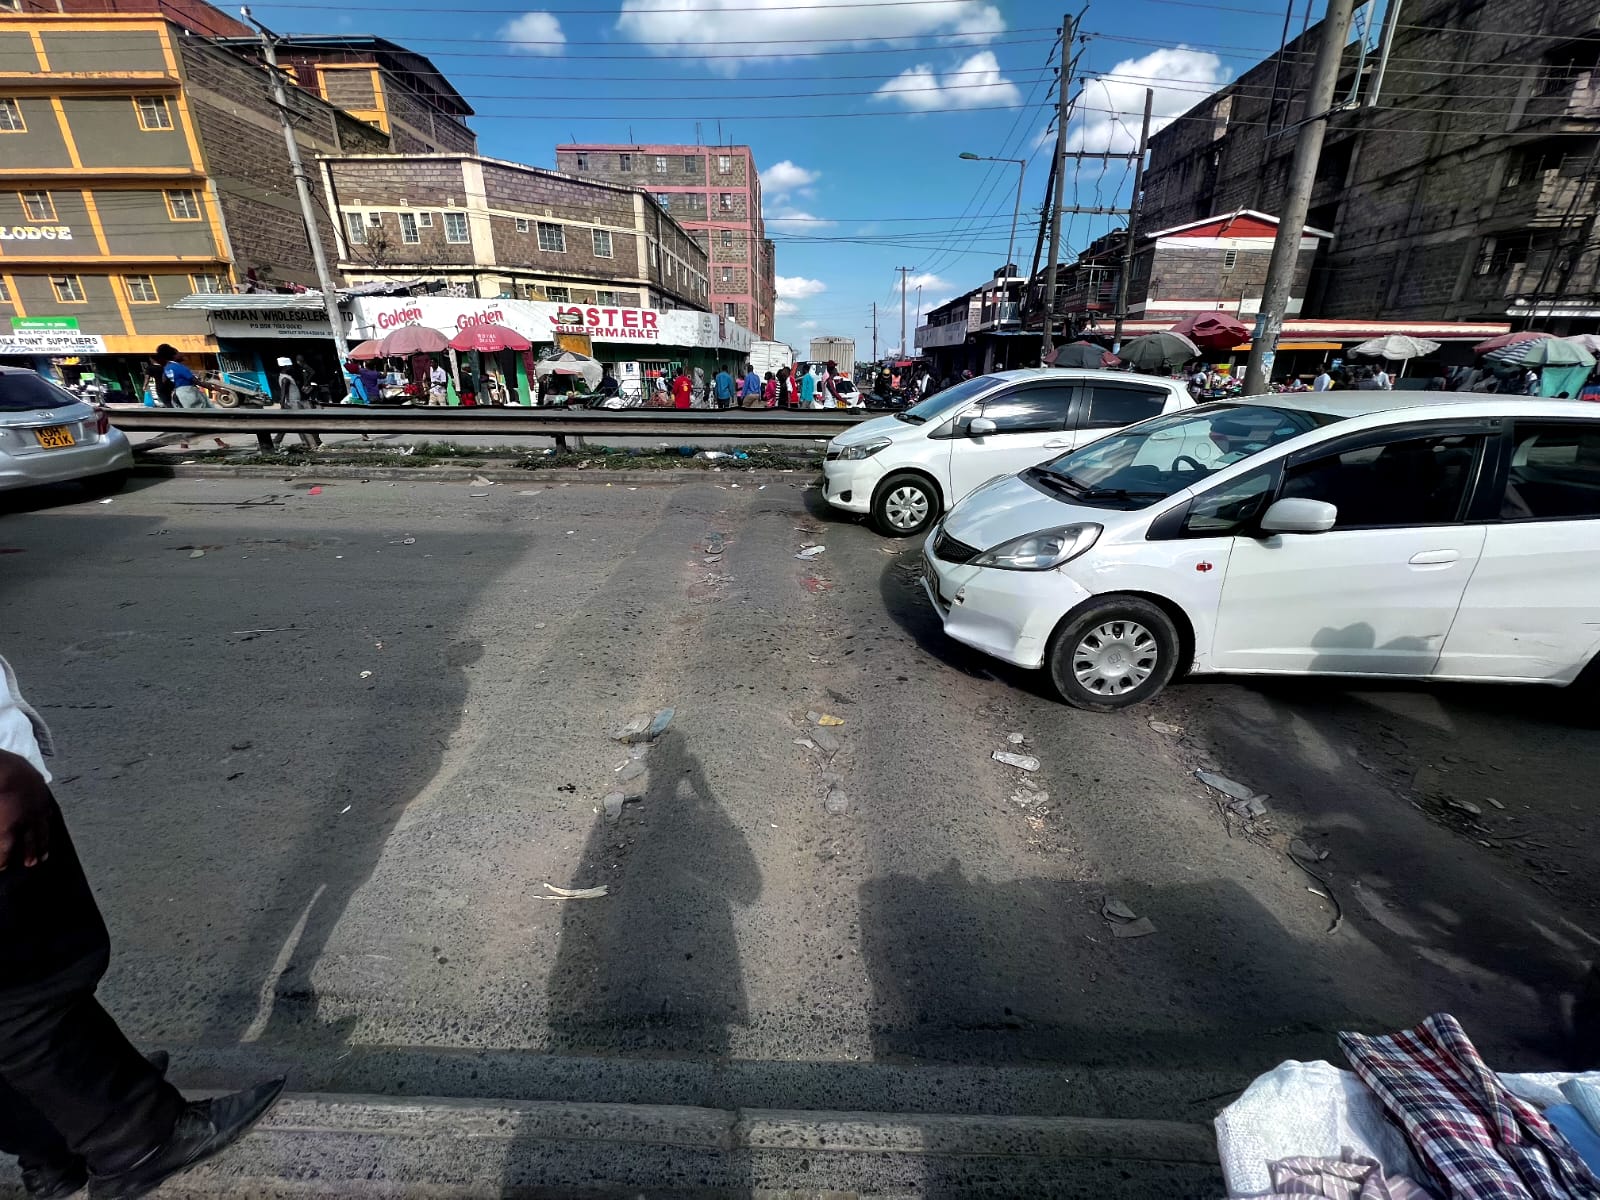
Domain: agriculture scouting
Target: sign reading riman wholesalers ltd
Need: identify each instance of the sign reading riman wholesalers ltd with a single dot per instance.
(50, 336)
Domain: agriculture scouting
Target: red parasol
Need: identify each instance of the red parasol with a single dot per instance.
(412, 339)
(1215, 330)
(366, 350)
(1509, 339)
(489, 339)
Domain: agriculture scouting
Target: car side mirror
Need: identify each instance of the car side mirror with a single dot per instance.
(981, 427)
(1296, 514)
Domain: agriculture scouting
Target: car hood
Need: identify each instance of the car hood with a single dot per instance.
(1010, 509)
(875, 428)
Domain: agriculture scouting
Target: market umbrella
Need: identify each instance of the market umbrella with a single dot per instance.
(1397, 346)
(1545, 352)
(489, 339)
(366, 350)
(412, 339)
(1589, 341)
(1081, 354)
(1158, 351)
(1214, 330)
(570, 362)
(1509, 339)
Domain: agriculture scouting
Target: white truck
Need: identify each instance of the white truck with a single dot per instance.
(839, 350)
(769, 356)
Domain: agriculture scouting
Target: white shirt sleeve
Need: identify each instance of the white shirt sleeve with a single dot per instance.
(22, 731)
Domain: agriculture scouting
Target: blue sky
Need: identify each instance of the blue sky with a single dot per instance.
(856, 113)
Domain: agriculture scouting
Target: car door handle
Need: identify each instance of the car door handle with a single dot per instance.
(1434, 558)
(1058, 445)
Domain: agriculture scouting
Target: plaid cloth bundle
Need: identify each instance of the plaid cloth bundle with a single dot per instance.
(1479, 1141)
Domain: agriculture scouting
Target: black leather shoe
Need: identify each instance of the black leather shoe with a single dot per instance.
(204, 1128)
(54, 1181)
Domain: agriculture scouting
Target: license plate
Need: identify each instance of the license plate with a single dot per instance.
(56, 437)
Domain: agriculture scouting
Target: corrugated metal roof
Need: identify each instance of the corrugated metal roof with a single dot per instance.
(230, 301)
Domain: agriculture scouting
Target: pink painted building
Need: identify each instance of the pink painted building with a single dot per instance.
(715, 193)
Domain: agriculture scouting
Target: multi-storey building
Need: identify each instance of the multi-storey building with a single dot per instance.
(713, 191)
(141, 162)
(1465, 190)
(494, 229)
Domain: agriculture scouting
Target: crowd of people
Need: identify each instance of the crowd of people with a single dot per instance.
(804, 385)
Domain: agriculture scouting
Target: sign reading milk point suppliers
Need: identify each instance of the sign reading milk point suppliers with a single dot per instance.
(542, 321)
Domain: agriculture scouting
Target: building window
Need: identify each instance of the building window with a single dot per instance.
(727, 239)
(183, 204)
(602, 243)
(210, 283)
(552, 238)
(69, 289)
(559, 295)
(355, 229)
(141, 289)
(624, 162)
(455, 227)
(664, 199)
(583, 162)
(11, 117)
(730, 310)
(375, 220)
(725, 201)
(153, 112)
(38, 206)
(522, 224)
(5, 293)
(408, 229)
(1230, 259)
(661, 164)
(724, 164)
(425, 219)
(688, 164)
(604, 297)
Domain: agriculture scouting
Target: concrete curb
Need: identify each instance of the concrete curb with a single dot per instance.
(342, 1145)
(657, 477)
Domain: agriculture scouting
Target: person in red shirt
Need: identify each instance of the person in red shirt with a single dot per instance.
(682, 389)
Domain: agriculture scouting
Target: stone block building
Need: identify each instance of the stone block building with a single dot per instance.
(1465, 189)
(495, 229)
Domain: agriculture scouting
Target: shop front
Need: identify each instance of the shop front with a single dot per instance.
(110, 366)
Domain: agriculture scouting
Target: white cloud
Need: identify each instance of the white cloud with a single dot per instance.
(785, 308)
(798, 287)
(785, 218)
(1113, 107)
(975, 83)
(928, 283)
(807, 325)
(779, 25)
(781, 178)
(533, 33)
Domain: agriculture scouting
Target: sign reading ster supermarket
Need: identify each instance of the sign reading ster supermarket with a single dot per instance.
(542, 321)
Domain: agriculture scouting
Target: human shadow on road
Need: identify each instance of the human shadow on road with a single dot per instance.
(653, 968)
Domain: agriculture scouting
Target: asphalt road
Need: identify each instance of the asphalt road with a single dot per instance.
(323, 752)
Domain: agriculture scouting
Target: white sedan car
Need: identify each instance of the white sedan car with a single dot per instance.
(48, 435)
(908, 468)
(1411, 535)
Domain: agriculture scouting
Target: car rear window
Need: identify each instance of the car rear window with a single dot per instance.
(26, 392)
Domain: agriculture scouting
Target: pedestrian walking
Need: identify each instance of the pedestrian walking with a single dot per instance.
(438, 386)
(1530, 382)
(163, 385)
(682, 390)
(1323, 382)
(78, 1104)
(371, 382)
(808, 390)
(724, 386)
(185, 388)
(1385, 384)
(753, 397)
(769, 390)
(698, 393)
(467, 389)
(291, 398)
(785, 394)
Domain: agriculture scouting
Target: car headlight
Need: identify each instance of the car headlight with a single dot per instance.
(863, 449)
(1040, 551)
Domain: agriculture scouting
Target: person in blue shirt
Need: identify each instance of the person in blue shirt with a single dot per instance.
(752, 388)
(724, 387)
(180, 378)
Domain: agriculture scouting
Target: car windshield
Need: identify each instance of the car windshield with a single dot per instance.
(940, 403)
(25, 392)
(1163, 455)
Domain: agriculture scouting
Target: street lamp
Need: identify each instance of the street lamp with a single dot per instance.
(1016, 211)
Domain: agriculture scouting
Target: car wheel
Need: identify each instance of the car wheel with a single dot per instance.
(1118, 652)
(906, 505)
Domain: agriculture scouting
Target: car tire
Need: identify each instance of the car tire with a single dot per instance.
(225, 398)
(905, 505)
(1116, 652)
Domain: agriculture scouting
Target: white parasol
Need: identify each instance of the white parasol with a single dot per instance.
(570, 362)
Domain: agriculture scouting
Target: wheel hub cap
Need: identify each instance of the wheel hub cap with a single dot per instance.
(1114, 658)
(906, 507)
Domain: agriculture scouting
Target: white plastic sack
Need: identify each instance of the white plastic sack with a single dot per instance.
(1305, 1109)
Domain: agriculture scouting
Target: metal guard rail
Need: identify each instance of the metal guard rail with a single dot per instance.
(698, 425)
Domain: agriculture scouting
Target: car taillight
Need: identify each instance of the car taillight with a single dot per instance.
(102, 422)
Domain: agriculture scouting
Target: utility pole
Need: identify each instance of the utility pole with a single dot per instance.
(1134, 205)
(1292, 215)
(903, 272)
(1047, 342)
(874, 332)
(330, 296)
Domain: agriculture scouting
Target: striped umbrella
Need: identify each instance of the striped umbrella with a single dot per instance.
(1509, 339)
(1544, 352)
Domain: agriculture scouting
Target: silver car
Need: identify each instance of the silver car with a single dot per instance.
(48, 435)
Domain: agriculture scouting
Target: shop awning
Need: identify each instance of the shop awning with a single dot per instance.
(255, 301)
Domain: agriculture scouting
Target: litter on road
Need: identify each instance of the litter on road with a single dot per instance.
(810, 552)
(1025, 762)
(837, 803)
(1164, 727)
(1124, 922)
(561, 893)
(1016, 739)
(197, 554)
(1228, 787)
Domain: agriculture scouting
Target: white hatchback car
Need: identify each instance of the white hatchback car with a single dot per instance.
(1411, 535)
(908, 468)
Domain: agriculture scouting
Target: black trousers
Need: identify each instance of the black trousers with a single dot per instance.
(70, 1084)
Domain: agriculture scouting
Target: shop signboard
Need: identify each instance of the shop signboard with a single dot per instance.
(279, 323)
(951, 333)
(49, 336)
(548, 322)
